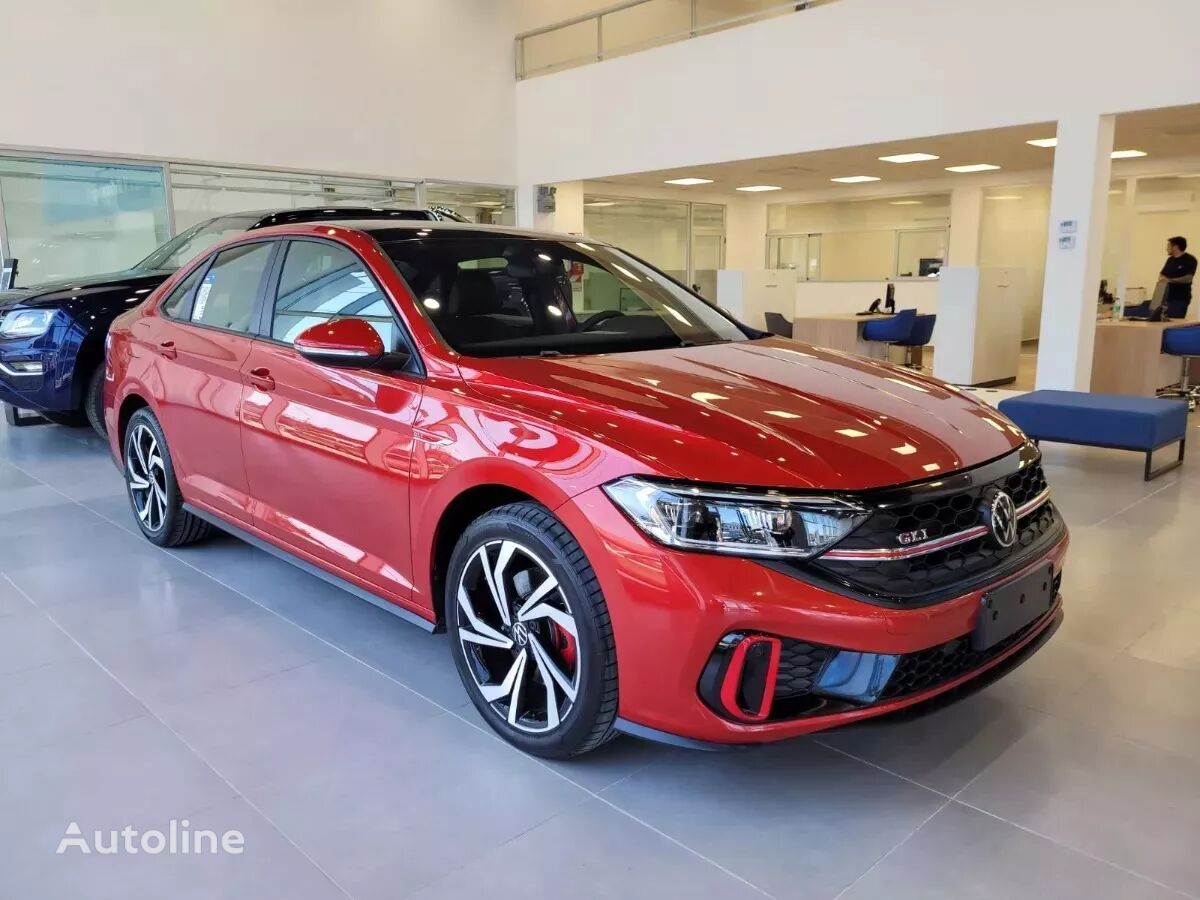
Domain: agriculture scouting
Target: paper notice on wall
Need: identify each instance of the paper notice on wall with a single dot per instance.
(202, 298)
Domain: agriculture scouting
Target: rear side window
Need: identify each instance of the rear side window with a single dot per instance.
(226, 296)
(321, 281)
(179, 300)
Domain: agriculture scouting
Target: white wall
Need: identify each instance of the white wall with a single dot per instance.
(887, 70)
(360, 86)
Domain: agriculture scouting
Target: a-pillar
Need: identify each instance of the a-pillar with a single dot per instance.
(1078, 213)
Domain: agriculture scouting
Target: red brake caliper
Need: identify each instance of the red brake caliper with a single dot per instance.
(564, 642)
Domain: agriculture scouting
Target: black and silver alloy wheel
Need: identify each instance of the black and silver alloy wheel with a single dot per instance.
(519, 636)
(530, 632)
(146, 476)
(150, 481)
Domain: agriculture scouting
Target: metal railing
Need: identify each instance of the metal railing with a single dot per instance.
(637, 25)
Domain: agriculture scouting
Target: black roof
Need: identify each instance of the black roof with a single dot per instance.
(269, 217)
(398, 231)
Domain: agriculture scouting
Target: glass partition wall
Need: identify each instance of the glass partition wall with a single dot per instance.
(64, 217)
(860, 240)
(685, 240)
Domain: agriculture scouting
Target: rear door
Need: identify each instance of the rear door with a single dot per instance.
(203, 335)
(328, 450)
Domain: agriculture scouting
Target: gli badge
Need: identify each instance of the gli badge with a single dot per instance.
(908, 538)
(1000, 516)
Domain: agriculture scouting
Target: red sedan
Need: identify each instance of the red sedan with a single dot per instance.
(631, 512)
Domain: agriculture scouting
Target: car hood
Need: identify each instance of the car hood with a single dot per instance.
(769, 412)
(76, 290)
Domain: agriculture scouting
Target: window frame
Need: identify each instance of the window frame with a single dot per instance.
(204, 266)
(266, 312)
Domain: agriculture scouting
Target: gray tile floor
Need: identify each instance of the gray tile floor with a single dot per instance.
(218, 685)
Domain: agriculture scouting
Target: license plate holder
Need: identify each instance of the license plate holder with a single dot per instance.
(1009, 608)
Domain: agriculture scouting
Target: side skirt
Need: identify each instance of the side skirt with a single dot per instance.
(308, 567)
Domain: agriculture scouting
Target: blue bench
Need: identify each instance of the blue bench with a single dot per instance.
(1144, 424)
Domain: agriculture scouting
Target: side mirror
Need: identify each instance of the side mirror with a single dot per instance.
(350, 343)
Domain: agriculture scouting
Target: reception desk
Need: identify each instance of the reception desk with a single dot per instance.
(1128, 357)
(844, 332)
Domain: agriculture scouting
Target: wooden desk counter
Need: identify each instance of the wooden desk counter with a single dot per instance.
(1128, 357)
(839, 332)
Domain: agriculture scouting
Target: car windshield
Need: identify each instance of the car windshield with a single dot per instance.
(520, 296)
(191, 243)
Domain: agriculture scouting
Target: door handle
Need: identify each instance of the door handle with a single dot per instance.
(167, 349)
(261, 379)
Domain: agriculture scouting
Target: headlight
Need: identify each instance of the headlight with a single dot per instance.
(26, 322)
(742, 524)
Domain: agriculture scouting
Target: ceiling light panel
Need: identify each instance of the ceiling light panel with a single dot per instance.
(977, 167)
(688, 182)
(854, 179)
(909, 158)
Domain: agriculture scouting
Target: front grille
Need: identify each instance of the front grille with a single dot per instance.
(931, 575)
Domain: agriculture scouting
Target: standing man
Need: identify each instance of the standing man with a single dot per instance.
(1177, 275)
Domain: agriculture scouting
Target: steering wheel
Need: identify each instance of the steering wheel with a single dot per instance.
(603, 316)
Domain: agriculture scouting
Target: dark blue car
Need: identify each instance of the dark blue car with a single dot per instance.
(52, 334)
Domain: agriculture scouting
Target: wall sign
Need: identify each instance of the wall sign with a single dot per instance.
(1068, 226)
(1066, 242)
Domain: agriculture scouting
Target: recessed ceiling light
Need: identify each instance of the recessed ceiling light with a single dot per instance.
(755, 188)
(601, 203)
(1127, 154)
(689, 181)
(489, 203)
(854, 179)
(906, 202)
(1005, 197)
(908, 157)
(977, 167)
(1044, 142)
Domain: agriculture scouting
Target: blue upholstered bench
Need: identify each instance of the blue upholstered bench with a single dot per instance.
(1145, 424)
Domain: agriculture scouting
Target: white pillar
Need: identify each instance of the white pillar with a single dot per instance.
(966, 214)
(526, 203)
(1078, 210)
(1125, 239)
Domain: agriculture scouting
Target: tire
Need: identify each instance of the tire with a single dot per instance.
(151, 486)
(527, 545)
(93, 400)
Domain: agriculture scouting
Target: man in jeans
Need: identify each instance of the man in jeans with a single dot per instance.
(1177, 275)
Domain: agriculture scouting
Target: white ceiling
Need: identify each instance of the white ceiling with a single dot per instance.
(1164, 133)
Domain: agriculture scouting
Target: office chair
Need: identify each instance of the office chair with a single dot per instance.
(777, 324)
(921, 334)
(1184, 343)
(1137, 311)
(891, 331)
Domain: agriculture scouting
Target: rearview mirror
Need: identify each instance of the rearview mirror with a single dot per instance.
(341, 342)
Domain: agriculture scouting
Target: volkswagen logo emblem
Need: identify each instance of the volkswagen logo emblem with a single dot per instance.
(1000, 516)
(520, 634)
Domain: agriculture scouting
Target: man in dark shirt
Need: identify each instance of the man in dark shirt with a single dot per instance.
(1177, 274)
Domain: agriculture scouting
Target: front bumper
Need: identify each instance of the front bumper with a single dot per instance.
(48, 387)
(671, 609)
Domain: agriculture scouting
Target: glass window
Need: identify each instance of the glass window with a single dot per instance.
(177, 304)
(920, 254)
(66, 219)
(196, 240)
(481, 204)
(322, 281)
(526, 296)
(202, 192)
(226, 297)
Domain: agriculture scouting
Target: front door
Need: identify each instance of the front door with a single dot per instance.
(203, 337)
(328, 450)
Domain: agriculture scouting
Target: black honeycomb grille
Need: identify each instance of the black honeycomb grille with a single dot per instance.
(799, 666)
(932, 574)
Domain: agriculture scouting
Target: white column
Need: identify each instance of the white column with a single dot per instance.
(1078, 210)
(966, 214)
(526, 202)
(1125, 239)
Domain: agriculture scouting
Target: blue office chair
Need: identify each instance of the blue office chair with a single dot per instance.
(1184, 343)
(893, 330)
(921, 334)
(1137, 311)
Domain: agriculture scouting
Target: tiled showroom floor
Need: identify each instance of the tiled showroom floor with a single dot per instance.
(218, 685)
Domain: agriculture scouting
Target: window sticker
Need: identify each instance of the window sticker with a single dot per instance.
(202, 296)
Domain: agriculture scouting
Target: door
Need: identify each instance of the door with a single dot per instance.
(203, 336)
(328, 449)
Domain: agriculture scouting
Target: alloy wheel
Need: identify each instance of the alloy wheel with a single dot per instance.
(519, 636)
(147, 477)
